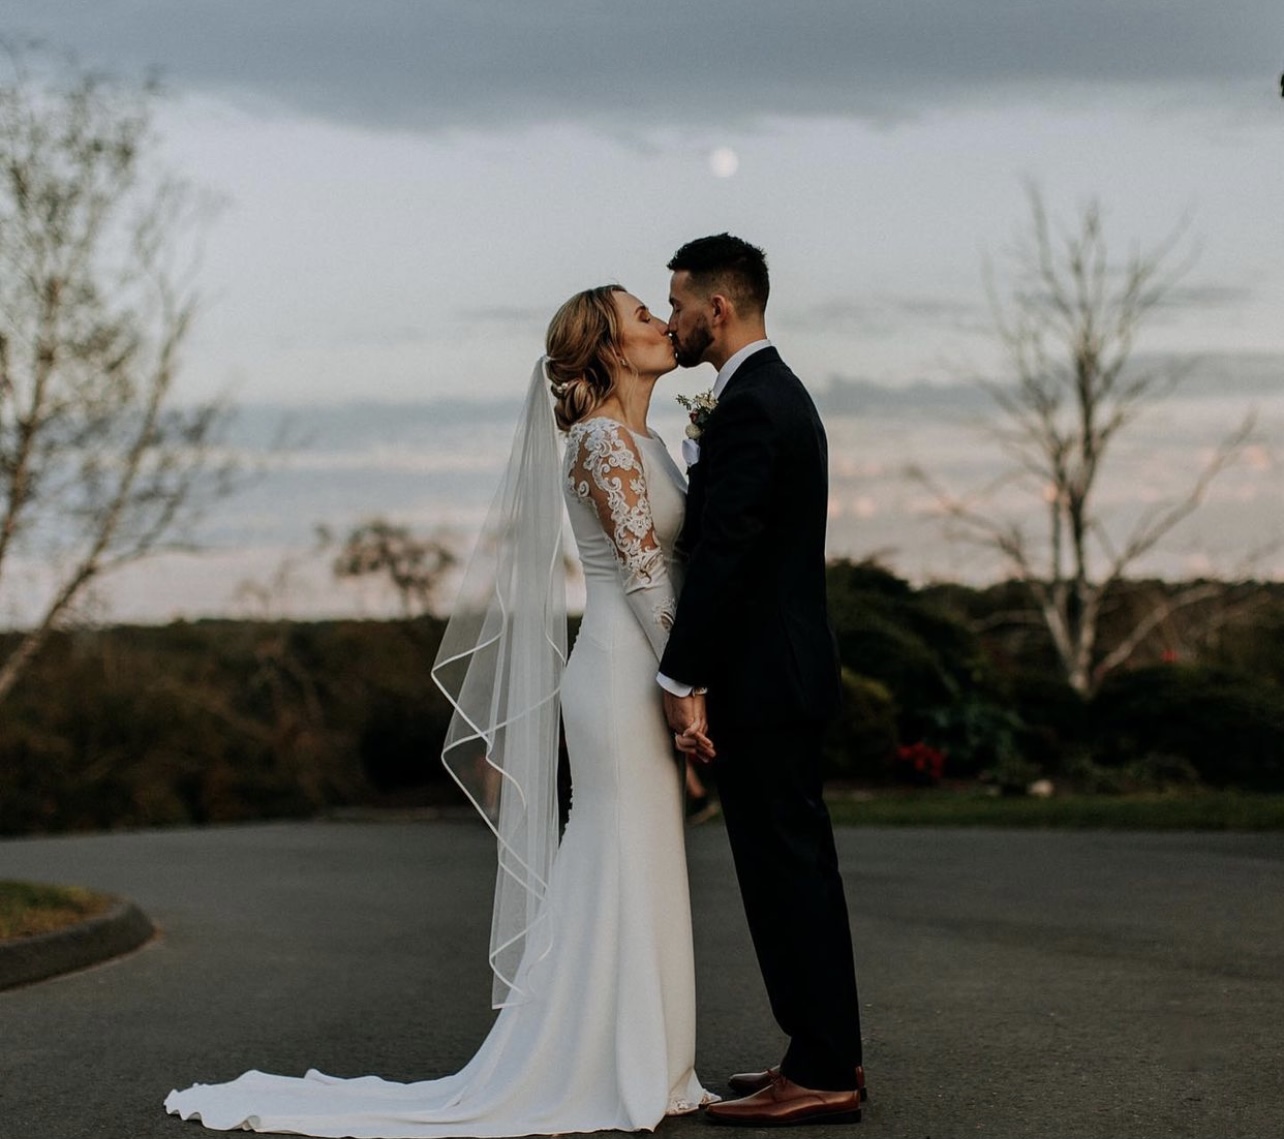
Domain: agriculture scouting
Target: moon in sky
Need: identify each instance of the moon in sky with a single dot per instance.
(724, 162)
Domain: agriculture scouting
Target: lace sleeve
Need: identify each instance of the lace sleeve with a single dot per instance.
(606, 472)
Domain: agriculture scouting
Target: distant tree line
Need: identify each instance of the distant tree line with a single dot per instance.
(965, 672)
(219, 721)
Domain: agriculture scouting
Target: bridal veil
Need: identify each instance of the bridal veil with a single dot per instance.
(500, 664)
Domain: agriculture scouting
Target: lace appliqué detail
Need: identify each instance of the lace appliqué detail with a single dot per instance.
(601, 464)
(604, 470)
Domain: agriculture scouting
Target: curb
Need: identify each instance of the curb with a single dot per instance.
(27, 959)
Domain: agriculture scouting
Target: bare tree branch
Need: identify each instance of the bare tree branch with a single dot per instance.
(1160, 612)
(97, 467)
(1068, 320)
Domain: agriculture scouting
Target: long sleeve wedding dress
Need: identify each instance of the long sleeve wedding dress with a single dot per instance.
(607, 1040)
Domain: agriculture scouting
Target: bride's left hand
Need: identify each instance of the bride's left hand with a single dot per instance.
(695, 744)
(689, 722)
(694, 740)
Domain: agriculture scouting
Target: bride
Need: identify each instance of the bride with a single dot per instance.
(591, 937)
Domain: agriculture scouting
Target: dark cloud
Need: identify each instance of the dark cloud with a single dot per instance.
(435, 64)
(1203, 376)
(884, 315)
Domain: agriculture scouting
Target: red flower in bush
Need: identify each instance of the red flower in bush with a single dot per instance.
(920, 763)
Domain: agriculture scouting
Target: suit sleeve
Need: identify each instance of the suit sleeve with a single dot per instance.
(742, 455)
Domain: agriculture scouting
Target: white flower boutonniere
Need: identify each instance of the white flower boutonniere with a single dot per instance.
(699, 407)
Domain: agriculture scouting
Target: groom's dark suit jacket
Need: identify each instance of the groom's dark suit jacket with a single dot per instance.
(752, 623)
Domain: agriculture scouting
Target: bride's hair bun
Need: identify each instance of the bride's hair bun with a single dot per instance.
(583, 336)
(574, 399)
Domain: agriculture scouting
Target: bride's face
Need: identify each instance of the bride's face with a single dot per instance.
(644, 337)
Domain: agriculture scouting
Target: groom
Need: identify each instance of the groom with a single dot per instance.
(752, 630)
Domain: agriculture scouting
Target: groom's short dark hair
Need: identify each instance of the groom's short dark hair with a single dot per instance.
(722, 263)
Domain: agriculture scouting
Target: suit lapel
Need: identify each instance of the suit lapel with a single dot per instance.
(691, 528)
(760, 359)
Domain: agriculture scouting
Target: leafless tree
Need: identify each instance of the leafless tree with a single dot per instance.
(1068, 322)
(98, 468)
(414, 566)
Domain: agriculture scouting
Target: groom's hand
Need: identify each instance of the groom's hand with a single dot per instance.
(690, 725)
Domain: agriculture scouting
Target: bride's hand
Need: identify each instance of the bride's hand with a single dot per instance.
(690, 725)
(695, 744)
(693, 740)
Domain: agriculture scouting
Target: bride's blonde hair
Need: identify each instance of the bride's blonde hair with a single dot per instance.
(582, 340)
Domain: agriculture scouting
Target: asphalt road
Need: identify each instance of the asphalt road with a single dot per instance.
(1014, 983)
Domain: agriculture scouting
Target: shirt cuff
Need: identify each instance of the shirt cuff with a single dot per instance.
(677, 688)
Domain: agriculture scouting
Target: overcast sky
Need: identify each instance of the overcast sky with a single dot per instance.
(414, 185)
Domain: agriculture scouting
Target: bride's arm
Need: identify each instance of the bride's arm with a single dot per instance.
(607, 473)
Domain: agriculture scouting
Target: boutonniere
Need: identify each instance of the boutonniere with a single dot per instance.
(699, 407)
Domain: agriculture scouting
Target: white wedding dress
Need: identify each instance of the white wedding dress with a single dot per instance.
(608, 1040)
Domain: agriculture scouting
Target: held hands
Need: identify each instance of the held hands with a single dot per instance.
(690, 725)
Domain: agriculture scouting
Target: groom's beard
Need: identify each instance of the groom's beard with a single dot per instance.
(690, 351)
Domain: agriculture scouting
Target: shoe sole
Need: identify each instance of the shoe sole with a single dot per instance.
(750, 1088)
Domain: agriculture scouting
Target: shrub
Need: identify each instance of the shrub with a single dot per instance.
(862, 740)
(1229, 727)
(219, 721)
(944, 690)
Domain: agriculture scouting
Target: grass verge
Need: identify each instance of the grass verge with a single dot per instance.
(1210, 811)
(27, 908)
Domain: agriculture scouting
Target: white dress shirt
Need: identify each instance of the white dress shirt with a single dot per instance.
(691, 454)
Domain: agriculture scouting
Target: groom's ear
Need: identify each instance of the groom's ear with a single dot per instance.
(720, 308)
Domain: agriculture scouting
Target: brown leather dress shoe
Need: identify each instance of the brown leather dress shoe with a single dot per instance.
(746, 1083)
(783, 1103)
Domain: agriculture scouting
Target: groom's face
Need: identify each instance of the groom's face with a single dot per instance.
(689, 323)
